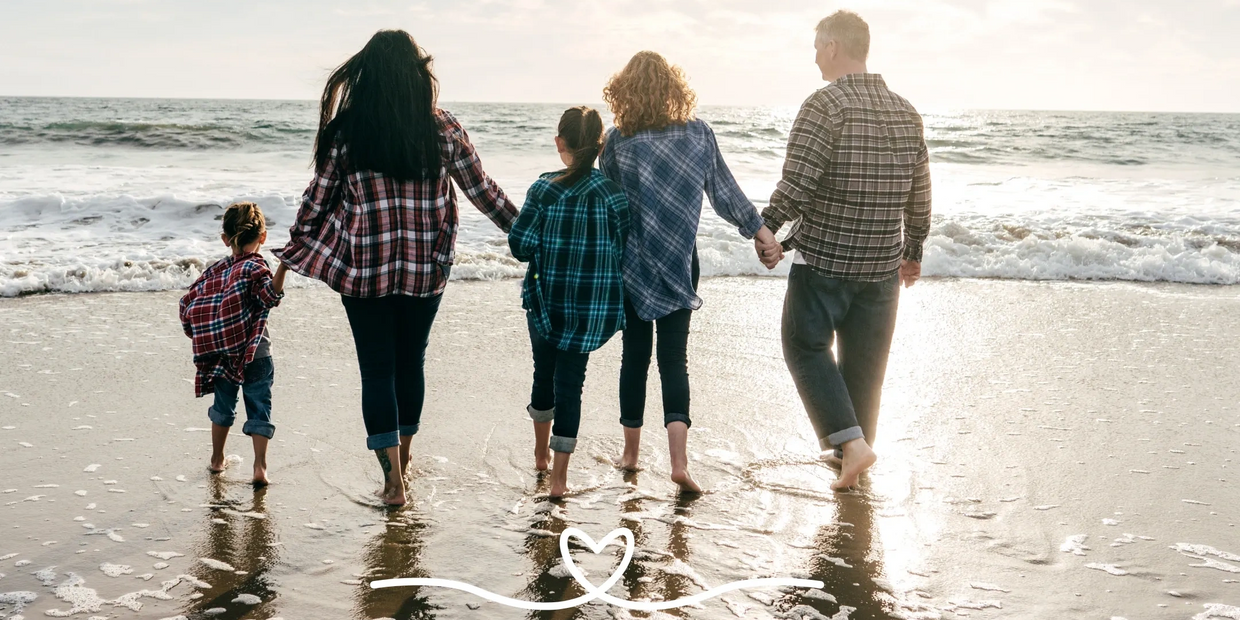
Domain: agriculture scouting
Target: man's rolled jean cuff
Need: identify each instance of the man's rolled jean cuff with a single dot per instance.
(563, 444)
(382, 441)
(540, 416)
(839, 438)
(260, 428)
(668, 418)
(406, 431)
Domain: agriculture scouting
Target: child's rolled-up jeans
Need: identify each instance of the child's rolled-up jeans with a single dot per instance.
(256, 391)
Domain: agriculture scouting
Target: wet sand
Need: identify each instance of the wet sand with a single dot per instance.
(1048, 450)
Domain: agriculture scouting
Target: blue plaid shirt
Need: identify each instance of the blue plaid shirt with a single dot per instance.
(573, 239)
(664, 173)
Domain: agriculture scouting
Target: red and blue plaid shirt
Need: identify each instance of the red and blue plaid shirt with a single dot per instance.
(225, 315)
(369, 235)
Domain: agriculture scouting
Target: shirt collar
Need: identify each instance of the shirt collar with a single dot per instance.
(862, 79)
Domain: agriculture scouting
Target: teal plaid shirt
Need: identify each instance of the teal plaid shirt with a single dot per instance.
(573, 239)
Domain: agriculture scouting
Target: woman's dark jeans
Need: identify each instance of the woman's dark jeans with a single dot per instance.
(556, 395)
(391, 335)
(672, 354)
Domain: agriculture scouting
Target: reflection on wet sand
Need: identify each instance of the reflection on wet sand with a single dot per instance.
(240, 536)
(395, 552)
(849, 563)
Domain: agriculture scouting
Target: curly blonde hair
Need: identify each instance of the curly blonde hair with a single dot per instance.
(649, 93)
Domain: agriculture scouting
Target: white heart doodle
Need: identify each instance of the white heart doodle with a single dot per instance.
(597, 592)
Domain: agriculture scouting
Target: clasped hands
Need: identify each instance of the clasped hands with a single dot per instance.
(770, 252)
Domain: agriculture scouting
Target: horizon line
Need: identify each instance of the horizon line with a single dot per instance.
(930, 110)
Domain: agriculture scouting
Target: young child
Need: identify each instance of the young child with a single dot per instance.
(571, 232)
(225, 314)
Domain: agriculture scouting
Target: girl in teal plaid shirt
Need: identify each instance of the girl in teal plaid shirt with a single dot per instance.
(571, 232)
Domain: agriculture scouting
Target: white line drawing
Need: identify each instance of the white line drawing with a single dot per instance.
(599, 592)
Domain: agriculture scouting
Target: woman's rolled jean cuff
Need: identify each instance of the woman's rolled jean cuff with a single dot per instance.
(407, 431)
(541, 416)
(668, 418)
(383, 441)
(839, 438)
(260, 428)
(563, 444)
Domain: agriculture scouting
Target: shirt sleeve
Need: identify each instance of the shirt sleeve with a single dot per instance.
(619, 205)
(318, 201)
(917, 211)
(607, 163)
(262, 288)
(466, 169)
(524, 236)
(726, 196)
(810, 149)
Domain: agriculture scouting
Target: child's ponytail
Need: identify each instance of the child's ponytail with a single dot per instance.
(581, 128)
(244, 223)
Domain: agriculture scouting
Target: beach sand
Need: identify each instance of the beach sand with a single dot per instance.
(1047, 450)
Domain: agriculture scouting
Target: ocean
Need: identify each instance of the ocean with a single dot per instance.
(125, 194)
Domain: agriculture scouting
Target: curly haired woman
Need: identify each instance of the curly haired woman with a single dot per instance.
(665, 159)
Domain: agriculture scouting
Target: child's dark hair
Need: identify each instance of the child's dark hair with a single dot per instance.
(243, 224)
(582, 131)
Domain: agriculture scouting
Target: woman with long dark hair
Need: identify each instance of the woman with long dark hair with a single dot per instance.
(378, 224)
(666, 160)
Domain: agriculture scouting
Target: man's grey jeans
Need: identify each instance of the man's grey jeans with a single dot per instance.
(841, 392)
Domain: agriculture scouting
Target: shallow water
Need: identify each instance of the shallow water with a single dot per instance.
(1049, 450)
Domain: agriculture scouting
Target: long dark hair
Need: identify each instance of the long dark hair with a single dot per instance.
(581, 128)
(381, 105)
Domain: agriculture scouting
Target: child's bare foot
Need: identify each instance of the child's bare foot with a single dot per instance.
(393, 497)
(625, 463)
(542, 458)
(686, 482)
(218, 464)
(858, 457)
(559, 475)
(632, 447)
(260, 476)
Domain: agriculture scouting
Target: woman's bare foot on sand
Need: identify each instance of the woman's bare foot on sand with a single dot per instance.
(686, 482)
(832, 461)
(542, 458)
(542, 445)
(632, 447)
(393, 493)
(858, 457)
(559, 475)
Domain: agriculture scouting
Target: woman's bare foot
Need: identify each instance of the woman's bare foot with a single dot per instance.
(686, 482)
(395, 497)
(394, 488)
(542, 445)
(559, 475)
(406, 441)
(632, 447)
(858, 457)
(832, 461)
(677, 448)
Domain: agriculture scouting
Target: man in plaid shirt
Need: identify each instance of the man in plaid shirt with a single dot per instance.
(856, 184)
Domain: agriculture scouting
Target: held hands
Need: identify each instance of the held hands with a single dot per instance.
(910, 272)
(768, 248)
(278, 282)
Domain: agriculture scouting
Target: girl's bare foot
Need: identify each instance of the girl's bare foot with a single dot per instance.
(542, 458)
(686, 482)
(260, 475)
(832, 461)
(632, 447)
(405, 442)
(858, 457)
(219, 436)
(260, 460)
(218, 464)
(394, 497)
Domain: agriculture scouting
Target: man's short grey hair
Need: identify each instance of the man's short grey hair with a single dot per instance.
(849, 31)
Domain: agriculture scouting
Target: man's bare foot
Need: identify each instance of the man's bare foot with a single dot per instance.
(542, 458)
(686, 482)
(260, 476)
(858, 457)
(218, 465)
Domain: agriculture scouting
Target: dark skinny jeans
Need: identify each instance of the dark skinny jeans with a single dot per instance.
(673, 360)
(556, 394)
(391, 335)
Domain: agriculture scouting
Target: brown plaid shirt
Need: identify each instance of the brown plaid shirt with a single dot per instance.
(857, 177)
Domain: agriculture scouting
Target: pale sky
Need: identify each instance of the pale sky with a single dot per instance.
(941, 54)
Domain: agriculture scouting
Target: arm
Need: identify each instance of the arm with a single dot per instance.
(523, 239)
(725, 194)
(278, 283)
(466, 169)
(607, 163)
(619, 206)
(263, 287)
(810, 148)
(916, 219)
(319, 199)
